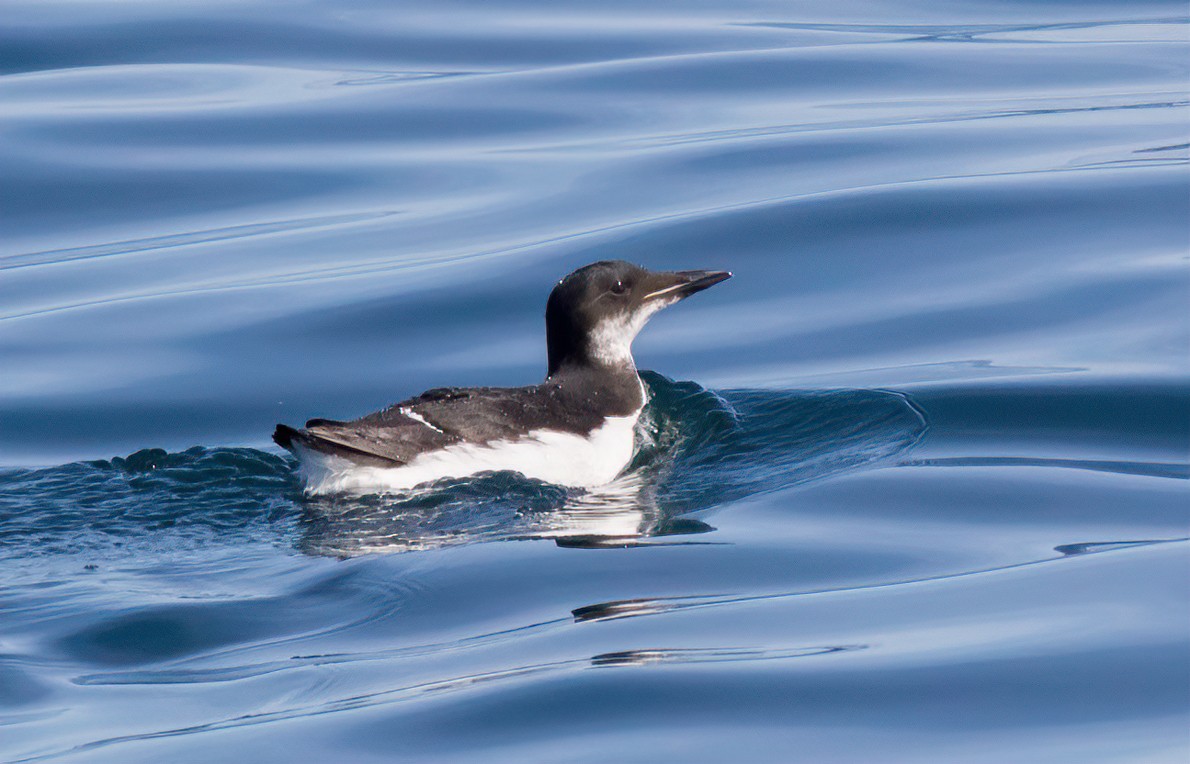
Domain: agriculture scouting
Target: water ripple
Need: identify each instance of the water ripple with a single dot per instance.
(155, 243)
(971, 546)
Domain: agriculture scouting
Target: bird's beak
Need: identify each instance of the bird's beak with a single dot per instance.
(678, 285)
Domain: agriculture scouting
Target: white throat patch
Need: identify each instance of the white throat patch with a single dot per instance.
(611, 340)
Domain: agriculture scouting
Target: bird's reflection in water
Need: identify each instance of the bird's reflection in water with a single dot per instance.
(623, 513)
(500, 506)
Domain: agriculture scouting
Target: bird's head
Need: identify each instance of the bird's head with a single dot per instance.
(594, 313)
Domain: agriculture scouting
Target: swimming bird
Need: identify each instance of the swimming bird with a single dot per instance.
(577, 428)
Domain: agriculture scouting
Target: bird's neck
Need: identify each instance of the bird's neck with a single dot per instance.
(615, 390)
(605, 348)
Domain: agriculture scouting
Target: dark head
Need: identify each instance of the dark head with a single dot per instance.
(594, 313)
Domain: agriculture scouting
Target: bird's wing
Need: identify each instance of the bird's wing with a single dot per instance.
(485, 414)
(396, 441)
(442, 417)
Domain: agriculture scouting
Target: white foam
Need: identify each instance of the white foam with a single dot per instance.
(554, 457)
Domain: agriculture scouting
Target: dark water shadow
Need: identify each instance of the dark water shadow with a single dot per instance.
(650, 606)
(603, 661)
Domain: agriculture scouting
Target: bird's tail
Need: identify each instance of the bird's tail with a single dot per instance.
(294, 440)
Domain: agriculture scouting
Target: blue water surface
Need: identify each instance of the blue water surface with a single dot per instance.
(911, 487)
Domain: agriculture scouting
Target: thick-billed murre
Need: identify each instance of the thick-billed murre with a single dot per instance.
(575, 429)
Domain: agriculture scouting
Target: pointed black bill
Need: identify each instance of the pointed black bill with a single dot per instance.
(681, 284)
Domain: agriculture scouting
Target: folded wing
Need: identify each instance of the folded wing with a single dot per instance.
(439, 418)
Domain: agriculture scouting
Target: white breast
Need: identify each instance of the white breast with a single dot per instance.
(554, 457)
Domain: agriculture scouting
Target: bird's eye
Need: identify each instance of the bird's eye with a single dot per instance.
(619, 288)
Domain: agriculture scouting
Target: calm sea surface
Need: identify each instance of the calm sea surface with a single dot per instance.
(911, 487)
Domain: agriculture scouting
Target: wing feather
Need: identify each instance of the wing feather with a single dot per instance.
(442, 417)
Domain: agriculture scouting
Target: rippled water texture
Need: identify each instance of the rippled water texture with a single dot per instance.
(911, 487)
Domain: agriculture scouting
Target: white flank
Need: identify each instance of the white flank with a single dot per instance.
(554, 457)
